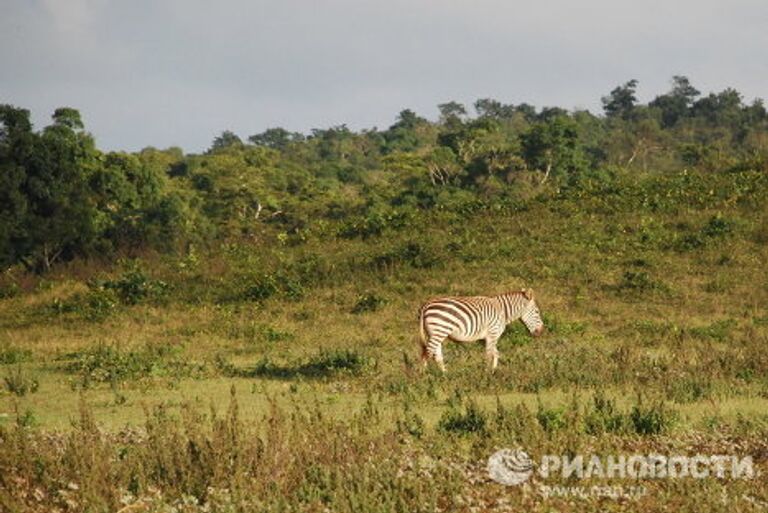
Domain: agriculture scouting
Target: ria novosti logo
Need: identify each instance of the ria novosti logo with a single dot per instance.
(514, 466)
(510, 466)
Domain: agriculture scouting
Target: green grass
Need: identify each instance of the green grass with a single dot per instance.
(653, 293)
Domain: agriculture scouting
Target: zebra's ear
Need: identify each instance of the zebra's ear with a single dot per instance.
(528, 293)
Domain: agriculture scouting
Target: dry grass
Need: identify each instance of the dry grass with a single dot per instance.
(687, 328)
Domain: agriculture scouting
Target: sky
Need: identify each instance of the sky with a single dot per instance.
(178, 72)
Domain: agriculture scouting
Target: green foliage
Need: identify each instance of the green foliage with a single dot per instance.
(108, 364)
(654, 419)
(622, 100)
(553, 146)
(19, 383)
(550, 419)
(638, 281)
(321, 365)
(472, 420)
(375, 223)
(61, 198)
(414, 254)
(368, 303)
(11, 355)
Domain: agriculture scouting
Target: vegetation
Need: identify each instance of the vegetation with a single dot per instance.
(280, 274)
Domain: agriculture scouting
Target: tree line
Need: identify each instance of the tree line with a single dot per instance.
(61, 197)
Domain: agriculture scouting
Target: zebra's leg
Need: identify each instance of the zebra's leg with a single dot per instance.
(435, 350)
(491, 353)
(424, 355)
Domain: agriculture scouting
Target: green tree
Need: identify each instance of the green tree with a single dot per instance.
(17, 145)
(676, 104)
(489, 108)
(409, 132)
(452, 114)
(226, 139)
(620, 103)
(61, 219)
(553, 147)
(278, 138)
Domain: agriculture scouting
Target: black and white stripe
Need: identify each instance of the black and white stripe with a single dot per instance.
(466, 319)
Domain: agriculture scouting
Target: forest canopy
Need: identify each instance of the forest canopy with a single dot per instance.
(61, 197)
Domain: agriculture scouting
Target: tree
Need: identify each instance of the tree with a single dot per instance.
(676, 104)
(68, 117)
(452, 114)
(225, 140)
(553, 146)
(277, 138)
(620, 103)
(61, 217)
(721, 109)
(409, 132)
(489, 108)
(17, 142)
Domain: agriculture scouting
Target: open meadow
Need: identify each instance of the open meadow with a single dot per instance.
(282, 373)
(237, 329)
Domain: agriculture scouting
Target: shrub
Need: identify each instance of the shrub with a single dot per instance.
(603, 417)
(717, 227)
(410, 422)
(471, 420)
(273, 284)
(133, 286)
(321, 365)
(10, 355)
(375, 223)
(368, 303)
(107, 364)
(654, 419)
(19, 383)
(9, 290)
(718, 330)
(411, 253)
(638, 281)
(689, 390)
(550, 419)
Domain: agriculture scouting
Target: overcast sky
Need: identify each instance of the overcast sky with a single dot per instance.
(178, 72)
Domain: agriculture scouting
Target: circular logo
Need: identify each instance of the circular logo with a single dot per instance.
(510, 467)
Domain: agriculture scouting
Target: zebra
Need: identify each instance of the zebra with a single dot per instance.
(466, 319)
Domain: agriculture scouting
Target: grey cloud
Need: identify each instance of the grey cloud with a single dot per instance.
(172, 72)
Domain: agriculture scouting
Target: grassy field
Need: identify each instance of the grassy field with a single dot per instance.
(281, 374)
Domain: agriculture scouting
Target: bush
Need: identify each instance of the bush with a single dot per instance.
(717, 227)
(655, 419)
(10, 355)
(19, 383)
(411, 253)
(471, 420)
(603, 417)
(321, 365)
(133, 286)
(107, 364)
(375, 223)
(368, 303)
(274, 284)
(638, 281)
(718, 330)
(550, 419)
(689, 390)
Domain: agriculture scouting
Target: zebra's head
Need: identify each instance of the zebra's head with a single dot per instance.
(531, 316)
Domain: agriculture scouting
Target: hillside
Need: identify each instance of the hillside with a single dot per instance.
(264, 356)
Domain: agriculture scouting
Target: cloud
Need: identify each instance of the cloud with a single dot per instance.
(162, 72)
(72, 17)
